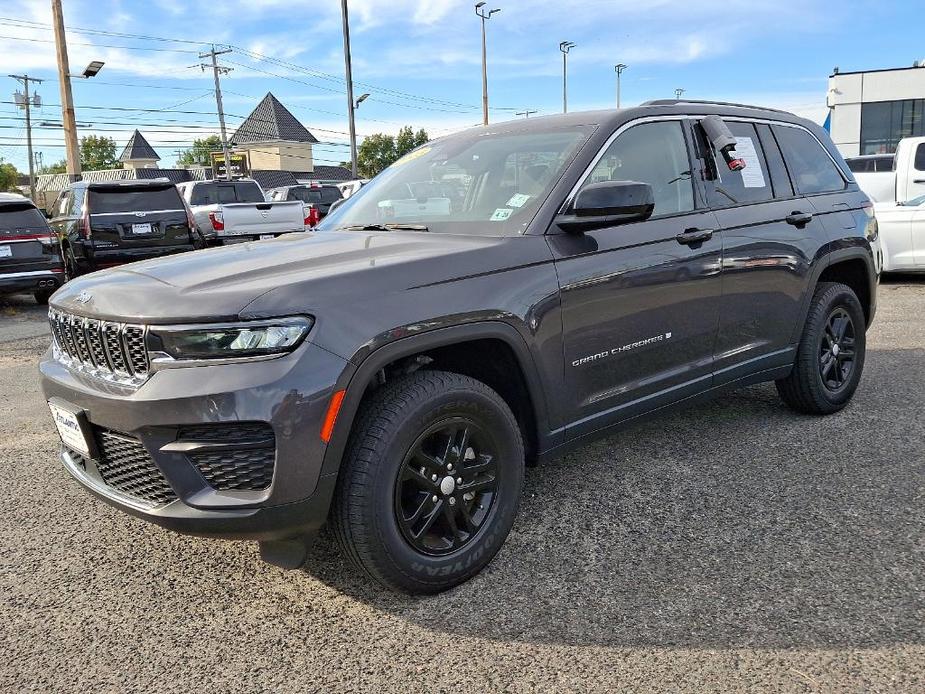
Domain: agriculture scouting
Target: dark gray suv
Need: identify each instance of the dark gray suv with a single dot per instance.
(490, 301)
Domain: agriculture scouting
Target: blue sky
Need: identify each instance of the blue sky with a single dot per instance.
(420, 60)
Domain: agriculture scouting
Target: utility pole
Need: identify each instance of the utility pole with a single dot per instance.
(27, 104)
(485, 16)
(68, 119)
(619, 68)
(525, 114)
(351, 106)
(216, 69)
(565, 47)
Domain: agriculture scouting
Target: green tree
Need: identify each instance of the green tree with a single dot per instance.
(200, 153)
(379, 150)
(9, 177)
(98, 153)
(59, 167)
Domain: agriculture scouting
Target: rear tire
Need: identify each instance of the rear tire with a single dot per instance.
(830, 357)
(400, 511)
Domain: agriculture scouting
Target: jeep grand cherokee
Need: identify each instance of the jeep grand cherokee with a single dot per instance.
(489, 301)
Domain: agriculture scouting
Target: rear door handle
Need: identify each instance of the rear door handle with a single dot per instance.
(694, 235)
(799, 219)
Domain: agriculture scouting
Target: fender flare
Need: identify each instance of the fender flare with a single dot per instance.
(832, 258)
(355, 381)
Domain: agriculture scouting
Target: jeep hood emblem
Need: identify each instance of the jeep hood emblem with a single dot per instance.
(83, 297)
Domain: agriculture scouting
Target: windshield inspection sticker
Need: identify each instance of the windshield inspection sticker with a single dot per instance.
(501, 214)
(752, 175)
(518, 200)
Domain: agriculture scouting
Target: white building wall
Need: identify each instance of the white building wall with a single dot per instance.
(848, 91)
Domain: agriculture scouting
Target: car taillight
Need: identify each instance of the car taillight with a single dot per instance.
(85, 224)
(312, 216)
(218, 222)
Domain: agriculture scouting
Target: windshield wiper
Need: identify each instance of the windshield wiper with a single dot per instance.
(385, 227)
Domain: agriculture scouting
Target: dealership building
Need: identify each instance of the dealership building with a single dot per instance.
(871, 111)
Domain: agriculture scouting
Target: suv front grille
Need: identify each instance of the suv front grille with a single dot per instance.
(112, 351)
(125, 465)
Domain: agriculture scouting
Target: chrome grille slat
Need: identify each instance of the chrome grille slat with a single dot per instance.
(111, 351)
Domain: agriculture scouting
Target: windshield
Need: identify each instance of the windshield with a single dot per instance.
(478, 182)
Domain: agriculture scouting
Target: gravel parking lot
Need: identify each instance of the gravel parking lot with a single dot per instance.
(729, 547)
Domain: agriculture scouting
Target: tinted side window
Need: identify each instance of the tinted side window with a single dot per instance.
(751, 184)
(780, 181)
(811, 169)
(653, 153)
(920, 157)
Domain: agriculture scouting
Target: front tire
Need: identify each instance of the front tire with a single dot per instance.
(431, 482)
(830, 357)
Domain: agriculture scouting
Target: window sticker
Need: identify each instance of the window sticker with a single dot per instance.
(411, 156)
(752, 175)
(518, 200)
(501, 214)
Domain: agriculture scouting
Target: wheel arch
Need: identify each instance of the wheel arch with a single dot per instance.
(442, 347)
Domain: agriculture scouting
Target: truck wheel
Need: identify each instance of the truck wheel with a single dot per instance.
(430, 483)
(830, 357)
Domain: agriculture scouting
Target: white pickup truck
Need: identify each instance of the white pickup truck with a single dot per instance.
(899, 204)
(235, 211)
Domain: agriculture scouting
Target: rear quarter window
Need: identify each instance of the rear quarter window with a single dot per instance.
(107, 200)
(919, 162)
(811, 168)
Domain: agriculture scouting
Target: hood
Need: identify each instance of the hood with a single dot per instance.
(219, 283)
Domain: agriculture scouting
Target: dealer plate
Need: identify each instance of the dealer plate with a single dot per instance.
(141, 229)
(69, 429)
(6, 252)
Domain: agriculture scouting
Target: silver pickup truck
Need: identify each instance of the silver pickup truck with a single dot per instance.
(235, 211)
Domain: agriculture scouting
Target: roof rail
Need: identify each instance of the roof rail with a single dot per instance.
(672, 102)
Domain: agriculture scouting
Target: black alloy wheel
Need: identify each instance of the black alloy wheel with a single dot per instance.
(836, 350)
(446, 487)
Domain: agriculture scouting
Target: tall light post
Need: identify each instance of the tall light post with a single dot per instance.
(216, 70)
(485, 15)
(619, 68)
(678, 93)
(565, 47)
(351, 105)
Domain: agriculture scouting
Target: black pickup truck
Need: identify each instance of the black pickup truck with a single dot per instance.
(491, 300)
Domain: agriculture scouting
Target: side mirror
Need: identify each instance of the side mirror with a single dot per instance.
(608, 203)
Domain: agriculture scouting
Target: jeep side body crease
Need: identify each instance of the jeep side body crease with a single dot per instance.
(491, 300)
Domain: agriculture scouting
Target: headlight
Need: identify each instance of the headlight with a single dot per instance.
(230, 340)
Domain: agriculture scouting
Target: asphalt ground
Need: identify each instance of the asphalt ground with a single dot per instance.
(734, 546)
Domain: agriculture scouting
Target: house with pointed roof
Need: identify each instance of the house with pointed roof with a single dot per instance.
(274, 139)
(138, 154)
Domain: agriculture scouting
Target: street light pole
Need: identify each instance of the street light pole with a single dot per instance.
(484, 16)
(68, 119)
(25, 79)
(216, 69)
(351, 106)
(678, 93)
(619, 68)
(565, 47)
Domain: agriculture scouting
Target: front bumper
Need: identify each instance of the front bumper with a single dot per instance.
(288, 396)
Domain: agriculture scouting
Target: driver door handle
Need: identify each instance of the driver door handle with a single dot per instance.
(694, 235)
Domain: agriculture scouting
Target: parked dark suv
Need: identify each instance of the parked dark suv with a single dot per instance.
(394, 371)
(29, 259)
(102, 225)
